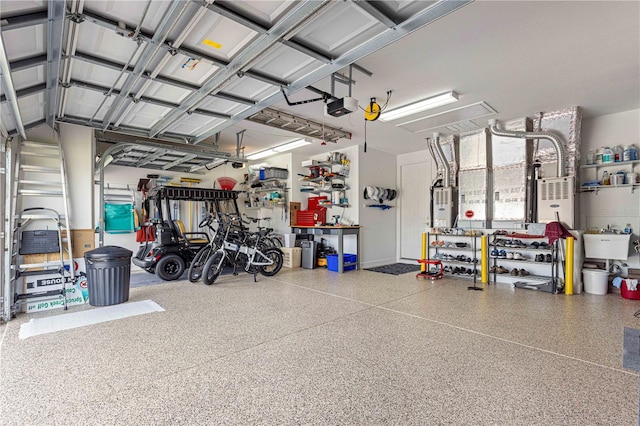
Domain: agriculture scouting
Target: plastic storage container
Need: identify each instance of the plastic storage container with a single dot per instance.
(607, 155)
(596, 281)
(108, 275)
(629, 294)
(332, 262)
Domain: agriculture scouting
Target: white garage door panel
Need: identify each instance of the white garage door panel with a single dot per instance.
(414, 208)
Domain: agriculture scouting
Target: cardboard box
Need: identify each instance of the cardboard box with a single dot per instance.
(291, 256)
(82, 241)
(77, 290)
(294, 208)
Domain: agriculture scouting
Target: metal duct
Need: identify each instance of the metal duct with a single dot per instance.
(446, 182)
(435, 157)
(555, 140)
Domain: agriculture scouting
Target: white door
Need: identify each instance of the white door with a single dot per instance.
(415, 180)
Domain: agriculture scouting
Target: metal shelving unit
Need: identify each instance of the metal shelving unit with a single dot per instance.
(548, 283)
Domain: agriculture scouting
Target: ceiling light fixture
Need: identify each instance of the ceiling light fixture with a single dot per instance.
(423, 105)
(277, 149)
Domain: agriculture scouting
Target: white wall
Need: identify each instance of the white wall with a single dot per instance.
(613, 207)
(78, 148)
(379, 228)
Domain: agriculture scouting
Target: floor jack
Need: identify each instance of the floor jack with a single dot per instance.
(433, 273)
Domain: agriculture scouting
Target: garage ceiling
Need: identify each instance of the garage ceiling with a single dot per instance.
(184, 71)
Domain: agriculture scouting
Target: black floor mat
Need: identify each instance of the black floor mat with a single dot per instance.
(396, 268)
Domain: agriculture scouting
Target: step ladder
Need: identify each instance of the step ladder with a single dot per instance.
(40, 236)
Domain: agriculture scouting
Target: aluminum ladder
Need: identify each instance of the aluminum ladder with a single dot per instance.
(39, 192)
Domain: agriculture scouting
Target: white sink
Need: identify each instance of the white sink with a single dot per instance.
(606, 246)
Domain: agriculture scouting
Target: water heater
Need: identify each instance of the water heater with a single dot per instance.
(556, 195)
(443, 207)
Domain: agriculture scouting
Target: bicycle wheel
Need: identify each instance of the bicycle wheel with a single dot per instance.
(277, 242)
(213, 267)
(198, 262)
(273, 254)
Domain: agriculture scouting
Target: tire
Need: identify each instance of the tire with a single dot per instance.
(276, 256)
(212, 268)
(170, 267)
(276, 242)
(198, 262)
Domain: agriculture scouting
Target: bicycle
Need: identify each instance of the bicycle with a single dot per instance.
(269, 237)
(197, 264)
(245, 249)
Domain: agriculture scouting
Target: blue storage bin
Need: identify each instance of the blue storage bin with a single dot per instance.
(332, 261)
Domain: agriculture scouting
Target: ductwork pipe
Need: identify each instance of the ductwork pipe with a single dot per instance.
(446, 181)
(435, 157)
(555, 140)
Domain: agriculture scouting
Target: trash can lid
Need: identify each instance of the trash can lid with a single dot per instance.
(108, 252)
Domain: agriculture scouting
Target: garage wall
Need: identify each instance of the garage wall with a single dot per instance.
(612, 206)
(379, 229)
(77, 144)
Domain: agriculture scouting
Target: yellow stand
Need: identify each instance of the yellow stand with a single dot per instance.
(484, 258)
(568, 273)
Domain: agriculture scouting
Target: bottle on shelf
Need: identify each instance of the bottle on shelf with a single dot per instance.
(607, 155)
(617, 153)
(627, 229)
(599, 156)
(605, 178)
(626, 154)
(634, 152)
(591, 157)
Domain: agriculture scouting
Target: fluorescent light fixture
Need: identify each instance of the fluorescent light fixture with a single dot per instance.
(423, 105)
(292, 145)
(261, 154)
(280, 148)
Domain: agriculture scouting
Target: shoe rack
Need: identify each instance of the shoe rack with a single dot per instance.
(524, 261)
(460, 254)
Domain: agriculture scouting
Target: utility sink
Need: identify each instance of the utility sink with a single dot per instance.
(607, 246)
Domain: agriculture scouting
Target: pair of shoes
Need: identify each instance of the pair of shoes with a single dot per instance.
(501, 270)
(540, 257)
(514, 272)
(441, 243)
(434, 243)
(519, 256)
(523, 273)
(502, 254)
(547, 258)
(494, 253)
(500, 232)
(509, 255)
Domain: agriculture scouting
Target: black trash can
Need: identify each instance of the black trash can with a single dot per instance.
(108, 275)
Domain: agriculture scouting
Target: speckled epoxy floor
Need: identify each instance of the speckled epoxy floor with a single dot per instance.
(317, 347)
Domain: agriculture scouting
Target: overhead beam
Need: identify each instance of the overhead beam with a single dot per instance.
(169, 20)
(376, 13)
(419, 20)
(41, 87)
(23, 21)
(296, 17)
(54, 54)
(9, 89)
(23, 64)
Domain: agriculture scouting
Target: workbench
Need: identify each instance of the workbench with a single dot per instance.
(340, 231)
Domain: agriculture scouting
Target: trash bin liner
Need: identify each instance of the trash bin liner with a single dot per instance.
(108, 275)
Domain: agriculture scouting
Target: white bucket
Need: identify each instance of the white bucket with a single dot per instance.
(596, 281)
